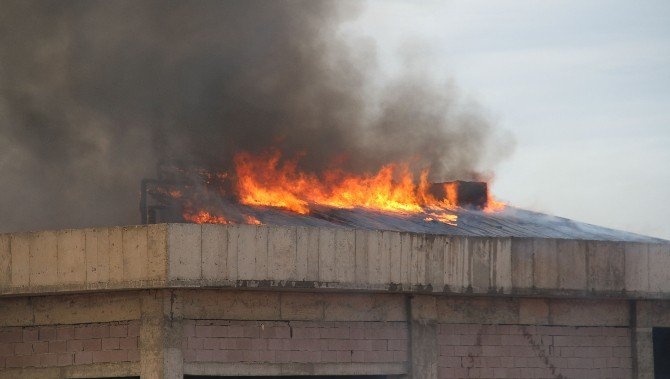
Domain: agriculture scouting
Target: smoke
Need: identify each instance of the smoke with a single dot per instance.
(94, 93)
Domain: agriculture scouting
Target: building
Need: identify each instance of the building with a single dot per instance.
(169, 300)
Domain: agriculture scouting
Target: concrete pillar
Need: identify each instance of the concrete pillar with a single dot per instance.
(643, 348)
(173, 360)
(151, 336)
(160, 338)
(423, 326)
(644, 354)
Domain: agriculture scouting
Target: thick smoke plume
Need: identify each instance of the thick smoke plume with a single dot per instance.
(94, 93)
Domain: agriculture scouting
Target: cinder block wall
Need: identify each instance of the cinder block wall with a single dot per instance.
(72, 336)
(529, 351)
(68, 345)
(275, 333)
(491, 337)
(232, 341)
(169, 333)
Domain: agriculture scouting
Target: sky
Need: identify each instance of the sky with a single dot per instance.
(582, 86)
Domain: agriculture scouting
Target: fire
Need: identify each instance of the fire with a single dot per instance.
(252, 220)
(204, 217)
(267, 179)
(451, 190)
(442, 217)
(493, 205)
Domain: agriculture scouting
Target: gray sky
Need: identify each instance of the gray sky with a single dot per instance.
(583, 86)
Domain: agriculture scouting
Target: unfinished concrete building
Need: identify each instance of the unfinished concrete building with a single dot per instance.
(188, 300)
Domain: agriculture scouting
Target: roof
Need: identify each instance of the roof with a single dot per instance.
(510, 222)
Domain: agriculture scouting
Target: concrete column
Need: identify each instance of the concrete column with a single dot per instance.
(160, 338)
(643, 348)
(173, 360)
(644, 354)
(423, 326)
(151, 336)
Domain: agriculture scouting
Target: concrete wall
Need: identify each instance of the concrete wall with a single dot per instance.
(168, 333)
(69, 345)
(272, 333)
(347, 280)
(71, 336)
(288, 333)
(272, 347)
(185, 255)
(83, 260)
(648, 314)
(523, 337)
(522, 351)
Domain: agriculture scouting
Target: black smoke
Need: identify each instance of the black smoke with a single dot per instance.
(94, 93)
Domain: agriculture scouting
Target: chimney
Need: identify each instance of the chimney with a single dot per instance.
(464, 194)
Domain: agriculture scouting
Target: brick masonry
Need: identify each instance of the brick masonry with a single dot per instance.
(294, 341)
(68, 345)
(517, 351)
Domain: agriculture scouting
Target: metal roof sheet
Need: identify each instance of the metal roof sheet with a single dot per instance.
(510, 222)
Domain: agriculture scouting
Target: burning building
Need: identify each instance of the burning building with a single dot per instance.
(278, 274)
(279, 238)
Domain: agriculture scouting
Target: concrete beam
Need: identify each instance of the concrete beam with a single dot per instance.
(82, 260)
(285, 369)
(273, 257)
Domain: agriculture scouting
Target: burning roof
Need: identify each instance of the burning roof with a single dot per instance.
(264, 189)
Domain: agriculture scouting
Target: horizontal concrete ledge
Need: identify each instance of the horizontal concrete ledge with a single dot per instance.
(336, 287)
(264, 369)
(100, 370)
(97, 370)
(73, 288)
(322, 259)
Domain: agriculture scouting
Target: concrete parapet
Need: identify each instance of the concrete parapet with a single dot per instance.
(84, 260)
(273, 257)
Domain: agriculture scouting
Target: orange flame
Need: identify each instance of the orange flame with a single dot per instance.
(493, 205)
(442, 217)
(264, 180)
(451, 191)
(252, 220)
(268, 180)
(204, 217)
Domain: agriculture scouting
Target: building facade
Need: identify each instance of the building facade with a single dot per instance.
(176, 300)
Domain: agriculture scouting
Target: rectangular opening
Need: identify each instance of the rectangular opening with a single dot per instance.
(661, 341)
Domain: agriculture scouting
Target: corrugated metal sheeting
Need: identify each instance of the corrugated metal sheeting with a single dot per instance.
(511, 222)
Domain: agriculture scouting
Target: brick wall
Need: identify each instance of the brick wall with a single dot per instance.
(294, 341)
(66, 345)
(514, 351)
